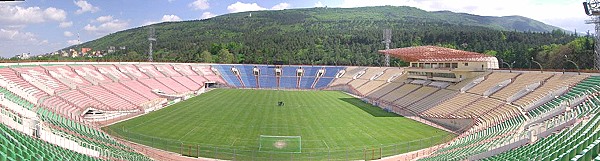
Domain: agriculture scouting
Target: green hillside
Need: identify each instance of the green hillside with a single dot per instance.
(333, 36)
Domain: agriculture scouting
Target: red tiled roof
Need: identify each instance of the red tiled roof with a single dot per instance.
(433, 54)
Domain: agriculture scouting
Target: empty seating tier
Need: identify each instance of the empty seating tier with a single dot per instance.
(399, 92)
(115, 102)
(450, 106)
(67, 76)
(491, 81)
(520, 83)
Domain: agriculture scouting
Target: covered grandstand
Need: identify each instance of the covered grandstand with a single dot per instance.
(54, 111)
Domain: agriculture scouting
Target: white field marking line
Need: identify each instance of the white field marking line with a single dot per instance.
(234, 141)
(325, 144)
(170, 113)
(187, 133)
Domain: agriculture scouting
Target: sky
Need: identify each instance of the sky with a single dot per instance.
(43, 26)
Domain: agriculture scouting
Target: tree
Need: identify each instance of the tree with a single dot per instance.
(225, 56)
(206, 57)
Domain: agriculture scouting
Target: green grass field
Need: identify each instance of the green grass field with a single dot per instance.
(228, 123)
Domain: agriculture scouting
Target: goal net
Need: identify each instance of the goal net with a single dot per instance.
(280, 144)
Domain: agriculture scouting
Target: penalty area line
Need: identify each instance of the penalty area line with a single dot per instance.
(325, 144)
(233, 143)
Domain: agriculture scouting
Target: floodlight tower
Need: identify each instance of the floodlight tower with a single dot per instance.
(151, 38)
(592, 8)
(387, 39)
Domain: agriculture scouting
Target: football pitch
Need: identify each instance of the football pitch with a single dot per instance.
(245, 124)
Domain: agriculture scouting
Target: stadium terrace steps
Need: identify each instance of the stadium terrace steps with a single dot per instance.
(125, 93)
(150, 71)
(167, 70)
(184, 70)
(451, 105)
(554, 83)
(112, 72)
(186, 82)
(17, 146)
(415, 96)
(399, 92)
(370, 86)
(571, 144)
(491, 81)
(67, 76)
(82, 101)
(267, 78)
(174, 85)
(104, 96)
(247, 76)
(90, 73)
(154, 84)
(520, 83)
(132, 71)
(141, 89)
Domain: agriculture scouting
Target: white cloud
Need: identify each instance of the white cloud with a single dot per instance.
(207, 15)
(243, 7)
(281, 6)
(72, 42)
(107, 27)
(15, 35)
(166, 18)
(55, 14)
(170, 1)
(200, 5)
(319, 4)
(17, 15)
(103, 19)
(65, 24)
(84, 7)
(68, 33)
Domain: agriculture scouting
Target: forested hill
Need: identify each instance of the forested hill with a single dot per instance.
(342, 36)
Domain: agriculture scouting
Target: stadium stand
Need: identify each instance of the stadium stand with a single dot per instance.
(154, 84)
(288, 82)
(167, 70)
(227, 75)
(515, 115)
(111, 72)
(247, 75)
(132, 71)
(67, 76)
(65, 96)
(90, 73)
(490, 81)
(37, 76)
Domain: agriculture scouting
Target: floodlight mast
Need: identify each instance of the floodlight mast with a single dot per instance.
(387, 39)
(151, 38)
(592, 8)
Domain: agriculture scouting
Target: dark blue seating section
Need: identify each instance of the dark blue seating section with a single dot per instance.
(228, 76)
(332, 71)
(267, 81)
(323, 82)
(266, 70)
(288, 82)
(247, 75)
(267, 78)
(306, 82)
(289, 71)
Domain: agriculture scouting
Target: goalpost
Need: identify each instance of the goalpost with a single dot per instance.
(280, 144)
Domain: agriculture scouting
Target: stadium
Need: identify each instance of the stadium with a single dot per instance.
(446, 105)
